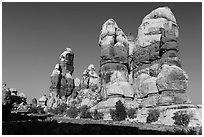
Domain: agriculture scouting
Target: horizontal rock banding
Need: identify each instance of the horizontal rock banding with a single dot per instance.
(158, 77)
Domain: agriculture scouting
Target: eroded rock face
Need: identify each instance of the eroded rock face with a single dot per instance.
(114, 65)
(172, 78)
(158, 77)
(90, 79)
(62, 82)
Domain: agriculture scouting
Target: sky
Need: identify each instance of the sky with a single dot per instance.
(35, 34)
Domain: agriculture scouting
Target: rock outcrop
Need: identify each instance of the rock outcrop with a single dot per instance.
(90, 79)
(158, 76)
(159, 82)
(144, 73)
(114, 66)
(61, 77)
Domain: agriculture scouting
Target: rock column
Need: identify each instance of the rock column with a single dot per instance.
(61, 77)
(158, 76)
(114, 64)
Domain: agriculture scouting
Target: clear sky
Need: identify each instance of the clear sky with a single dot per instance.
(35, 34)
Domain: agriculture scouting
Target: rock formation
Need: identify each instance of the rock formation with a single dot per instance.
(143, 72)
(114, 66)
(90, 79)
(159, 81)
(61, 77)
(132, 45)
(157, 73)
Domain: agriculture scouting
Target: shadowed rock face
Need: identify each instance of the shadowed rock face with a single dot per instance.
(62, 83)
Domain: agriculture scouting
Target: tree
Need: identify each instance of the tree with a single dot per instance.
(72, 112)
(131, 113)
(84, 113)
(153, 116)
(181, 118)
(119, 113)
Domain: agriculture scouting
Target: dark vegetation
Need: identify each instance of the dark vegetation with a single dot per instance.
(153, 115)
(36, 110)
(61, 127)
(119, 113)
(84, 113)
(131, 113)
(72, 112)
(62, 109)
(97, 115)
(181, 118)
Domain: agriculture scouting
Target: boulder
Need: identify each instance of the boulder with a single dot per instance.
(172, 78)
(86, 102)
(137, 84)
(148, 86)
(122, 88)
(77, 82)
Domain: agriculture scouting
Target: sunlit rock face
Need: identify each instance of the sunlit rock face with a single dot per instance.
(62, 82)
(158, 77)
(90, 79)
(114, 67)
(114, 64)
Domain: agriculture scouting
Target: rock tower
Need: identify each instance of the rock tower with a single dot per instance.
(157, 73)
(61, 77)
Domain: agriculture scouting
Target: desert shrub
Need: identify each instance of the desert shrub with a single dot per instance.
(62, 108)
(36, 110)
(72, 112)
(113, 114)
(97, 115)
(59, 110)
(119, 113)
(84, 113)
(33, 110)
(181, 118)
(200, 131)
(131, 112)
(179, 131)
(192, 131)
(153, 116)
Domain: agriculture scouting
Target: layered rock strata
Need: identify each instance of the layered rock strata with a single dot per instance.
(114, 67)
(61, 77)
(158, 76)
(90, 79)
